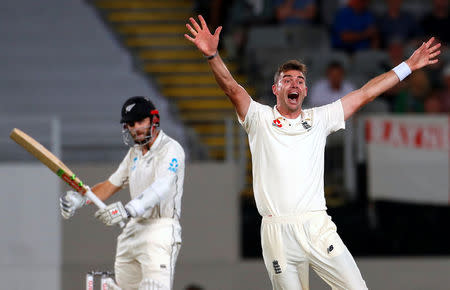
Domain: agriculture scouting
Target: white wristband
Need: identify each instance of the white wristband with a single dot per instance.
(402, 71)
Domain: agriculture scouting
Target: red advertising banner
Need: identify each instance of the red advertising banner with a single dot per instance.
(408, 158)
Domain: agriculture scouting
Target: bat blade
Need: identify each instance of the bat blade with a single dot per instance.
(55, 165)
(48, 159)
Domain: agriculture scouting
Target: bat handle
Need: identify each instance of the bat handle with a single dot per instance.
(97, 201)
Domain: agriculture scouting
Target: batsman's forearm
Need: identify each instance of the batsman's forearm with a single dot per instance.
(104, 190)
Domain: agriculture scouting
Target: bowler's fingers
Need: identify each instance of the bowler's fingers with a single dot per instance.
(203, 22)
(435, 47)
(217, 32)
(433, 61)
(189, 38)
(195, 24)
(192, 30)
(429, 42)
(434, 54)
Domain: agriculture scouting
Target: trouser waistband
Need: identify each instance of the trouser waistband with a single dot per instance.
(290, 219)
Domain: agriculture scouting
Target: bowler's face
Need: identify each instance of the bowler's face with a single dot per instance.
(290, 90)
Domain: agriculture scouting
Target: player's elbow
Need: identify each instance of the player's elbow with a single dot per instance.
(232, 90)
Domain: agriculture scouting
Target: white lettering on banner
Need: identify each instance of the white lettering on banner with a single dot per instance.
(401, 133)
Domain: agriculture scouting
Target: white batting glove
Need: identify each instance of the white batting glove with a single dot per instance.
(70, 202)
(112, 214)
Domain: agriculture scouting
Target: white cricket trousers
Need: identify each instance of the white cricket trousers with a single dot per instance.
(293, 243)
(147, 249)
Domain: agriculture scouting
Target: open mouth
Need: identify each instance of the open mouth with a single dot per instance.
(293, 97)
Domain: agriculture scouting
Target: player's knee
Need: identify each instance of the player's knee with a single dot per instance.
(150, 284)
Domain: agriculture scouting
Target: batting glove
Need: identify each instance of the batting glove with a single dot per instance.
(70, 202)
(112, 214)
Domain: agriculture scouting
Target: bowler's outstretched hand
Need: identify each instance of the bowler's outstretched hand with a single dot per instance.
(201, 36)
(425, 55)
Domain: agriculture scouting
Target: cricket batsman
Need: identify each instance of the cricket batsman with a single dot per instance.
(153, 168)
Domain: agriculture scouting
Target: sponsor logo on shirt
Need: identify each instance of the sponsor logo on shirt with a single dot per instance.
(133, 167)
(173, 166)
(277, 122)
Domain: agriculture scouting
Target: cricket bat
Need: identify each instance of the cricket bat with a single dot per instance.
(55, 165)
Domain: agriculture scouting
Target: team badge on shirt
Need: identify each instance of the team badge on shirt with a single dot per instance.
(276, 267)
(306, 125)
(173, 166)
(307, 120)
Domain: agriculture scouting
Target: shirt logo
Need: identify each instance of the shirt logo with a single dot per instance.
(305, 125)
(276, 267)
(330, 248)
(173, 166)
(277, 122)
(135, 159)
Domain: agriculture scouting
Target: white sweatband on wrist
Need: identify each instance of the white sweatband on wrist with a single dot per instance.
(151, 196)
(402, 71)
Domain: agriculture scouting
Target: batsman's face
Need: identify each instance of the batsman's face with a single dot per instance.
(290, 91)
(139, 130)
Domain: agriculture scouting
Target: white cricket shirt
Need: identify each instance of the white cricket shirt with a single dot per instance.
(288, 157)
(166, 156)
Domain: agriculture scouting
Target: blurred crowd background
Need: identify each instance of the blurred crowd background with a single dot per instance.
(344, 43)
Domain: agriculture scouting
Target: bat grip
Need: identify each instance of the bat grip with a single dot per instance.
(100, 204)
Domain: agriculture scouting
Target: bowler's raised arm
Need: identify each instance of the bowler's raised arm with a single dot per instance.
(207, 43)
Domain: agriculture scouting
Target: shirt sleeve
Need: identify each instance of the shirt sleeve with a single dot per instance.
(251, 118)
(333, 115)
(120, 176)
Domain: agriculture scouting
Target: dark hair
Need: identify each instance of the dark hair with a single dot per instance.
(290, 65)
(335, 64)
